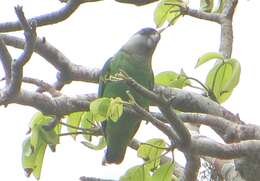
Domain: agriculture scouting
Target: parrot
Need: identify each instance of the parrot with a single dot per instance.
(135, 59)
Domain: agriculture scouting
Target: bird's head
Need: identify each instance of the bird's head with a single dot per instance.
(143, 42)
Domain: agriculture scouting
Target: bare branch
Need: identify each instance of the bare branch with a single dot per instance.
(46, 19)
(230, 132)
(191, 102)
(6, 61)
(13, 87)
(191, 168)
(201, 15)
(208, 147)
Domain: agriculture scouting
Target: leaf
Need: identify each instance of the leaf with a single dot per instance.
(74, 119)
(136, 173)
(164, 11)
(115, 109)
(87, 122)
(151, 151)
(207, 57)
(206, 5)
(99, 108)
(172, 79)
(164, 172)
(101, 144)
(32, 160)
(223, 78)
(49, 136)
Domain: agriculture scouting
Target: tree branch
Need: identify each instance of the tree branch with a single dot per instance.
(13, 87)
(46, 19)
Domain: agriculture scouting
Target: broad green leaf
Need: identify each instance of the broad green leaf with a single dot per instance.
(136, 173)
(99, 108)
(172, 79)
(206, 5)
(151, 151)
(166, 12)
(101, 144)
(49, 136)
(39, 160)
(164, 172)
(87, 122)
(208, 56)
(74, 119)
(32, 160)
(223, 78)
(235, 76)
(115, 109)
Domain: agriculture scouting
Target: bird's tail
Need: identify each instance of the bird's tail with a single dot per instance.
(115, 156)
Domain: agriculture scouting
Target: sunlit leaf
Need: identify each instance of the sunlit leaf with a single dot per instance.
(223, 78)
(137, 173)
(206, 5)
(101, 144)
(207, 57)
(99, 108)
(32, 160)
(172, 79)
(115, 109)
(74, 120)
(87, 122)
(151, 151)
(164, 172)
(167, 10)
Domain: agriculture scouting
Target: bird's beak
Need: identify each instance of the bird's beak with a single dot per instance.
(156, 37)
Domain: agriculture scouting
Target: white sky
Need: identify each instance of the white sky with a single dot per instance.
(93, 34)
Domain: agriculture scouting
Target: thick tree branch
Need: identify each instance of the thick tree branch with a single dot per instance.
(6, 60)
(13, 87)
(192, 167)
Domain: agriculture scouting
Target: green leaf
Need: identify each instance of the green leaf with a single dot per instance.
(164, 172)
(101, 144)
(49, 136)
(115, 109)
(87, 122)
(74, 119)
(206, 5)
(99, 108)
(166, 12)
(32, 159)
(208, 56)
(223, 78)
(151, 151)
(136, 173)
(172, 79)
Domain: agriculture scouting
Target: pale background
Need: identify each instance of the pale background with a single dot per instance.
(93, 34)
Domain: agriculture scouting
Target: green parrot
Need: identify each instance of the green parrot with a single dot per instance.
(134, 58)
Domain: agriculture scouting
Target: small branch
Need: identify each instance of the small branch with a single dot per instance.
(46, 19)
(214, 17)
(83, 178)
(6, 60)
(43, 86)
